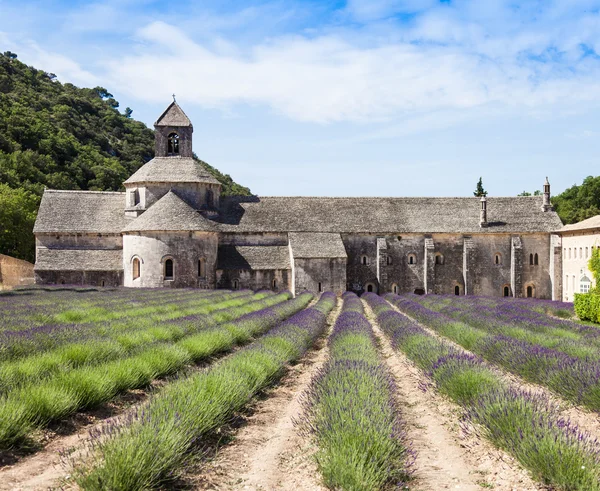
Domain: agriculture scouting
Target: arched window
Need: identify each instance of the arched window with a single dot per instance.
(581, 253)
(389, 260)
(439, 258)
(320, 285)
(395, 289)
(168, 269)
(584, 284)
(210, 198)
(363, 260)
(506, 291)
(173, 144)
(531, 259)
(567, 283)
(274, 284)
(102, 283)
(235, 284)
(569, 253)
(530, 291)
(370, 288)
(535, 259)
(412, 259)
(586, 253)
(135, 266)
(201, 267)
(498, 259)
(457, 290)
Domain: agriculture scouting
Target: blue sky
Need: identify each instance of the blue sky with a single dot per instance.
(356, 98)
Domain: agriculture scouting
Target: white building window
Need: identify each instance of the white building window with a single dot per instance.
(584, 284)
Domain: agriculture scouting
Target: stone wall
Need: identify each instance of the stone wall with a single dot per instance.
(79, 241)
(329, 272)
(254, 239)
(161, 138)
(443, 262)
(195, 194)
(261, 279)
(15, 272)
(359, 275)
(92, 278)
(185, 249)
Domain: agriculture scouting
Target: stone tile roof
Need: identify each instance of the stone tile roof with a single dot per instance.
(78, 260)
(173, 116)
(81, 211)
(170, 213)
(385, 215)
(253, 257)
(172, 170)
(316, 244)
(590, 223)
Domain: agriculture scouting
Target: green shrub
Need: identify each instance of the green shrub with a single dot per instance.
(587, 306)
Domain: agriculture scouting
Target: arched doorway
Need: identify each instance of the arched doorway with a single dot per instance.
(457, 290)
(530, 291)
(371, 287)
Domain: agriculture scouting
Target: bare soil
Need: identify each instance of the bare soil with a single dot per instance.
(269, 452)
(447, 456)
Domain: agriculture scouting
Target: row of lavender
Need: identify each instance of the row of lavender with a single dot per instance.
(125, 326)
(522, 318)
(351, 411)
(29, 308)
(521, 345)
(34, 403)
(77, 346)
(146, 451)
(527, 426)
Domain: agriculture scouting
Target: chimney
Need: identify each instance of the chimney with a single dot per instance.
(546, 205)
(483, 212)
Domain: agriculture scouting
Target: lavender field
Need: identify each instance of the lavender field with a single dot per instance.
(378, 392)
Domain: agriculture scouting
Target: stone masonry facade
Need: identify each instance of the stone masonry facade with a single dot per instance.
(172, 228)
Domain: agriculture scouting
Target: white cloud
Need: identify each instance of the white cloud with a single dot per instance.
(331, 78)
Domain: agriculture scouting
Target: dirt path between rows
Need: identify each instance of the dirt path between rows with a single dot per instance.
(447, 457)
(586, 420)
(269, 452)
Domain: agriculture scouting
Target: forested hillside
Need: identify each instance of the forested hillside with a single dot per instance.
(579, 202)
(59, 136)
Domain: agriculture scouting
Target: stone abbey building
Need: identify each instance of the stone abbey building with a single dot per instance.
(171, 227)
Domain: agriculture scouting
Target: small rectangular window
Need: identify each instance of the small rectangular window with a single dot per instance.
(320, 287)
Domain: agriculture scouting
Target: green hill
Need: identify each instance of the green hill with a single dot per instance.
(60, 136)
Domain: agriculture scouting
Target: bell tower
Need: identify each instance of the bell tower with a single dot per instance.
(173, 135)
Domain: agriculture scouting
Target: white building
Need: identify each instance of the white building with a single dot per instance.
(578, 242)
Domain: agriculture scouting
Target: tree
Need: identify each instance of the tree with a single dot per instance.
(128, 112)
(579, 202)
(18, 210)
(537, 192)
(594, 266)
(479, 191)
